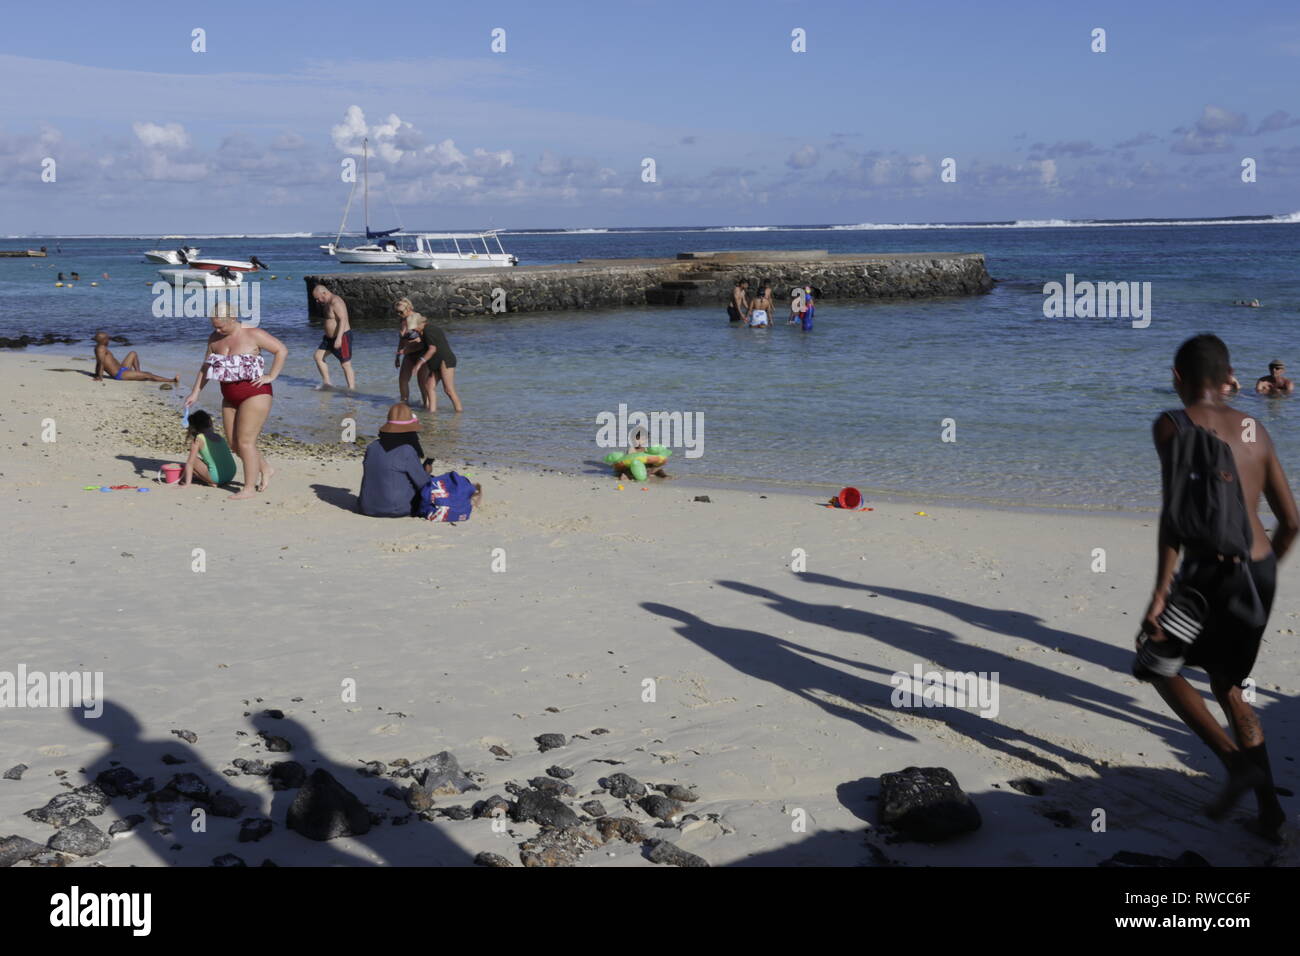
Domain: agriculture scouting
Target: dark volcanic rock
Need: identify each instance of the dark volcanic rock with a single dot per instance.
(224, 805)
(550, 742)
(594, 808)
(189, 736)
(277, 745)
(441, 776)
(15, 772)
(559, 773)
(661, 808)
(190, 786)
(253, 829)
(287, 775)
(620, 828)
(125, 825)
(22, 341)
(228, 859)
(486, 808)
(491, 859)
(324, 809)
(661, 851)
(552, 786)
(1026, 785)
(557, 846)
(674, 791)
(926, 804)
(621, 786)
(372, 768)
(543, 808)
(417, 798)
(499, 751)
(82, 838)
(14, 848)
(120, 782)
(172, 760)
(455, 813)
(253, 768)
(87, 801)
(273, 714)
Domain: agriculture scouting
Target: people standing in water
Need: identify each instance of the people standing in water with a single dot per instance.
(337, 340)
(810, 306)
(1237, 590)
(760, 308)
(211, 460)
(410, 345)
(1275, 382)
(738, 307)
(127, 370)
(436, 363)
(234, 360)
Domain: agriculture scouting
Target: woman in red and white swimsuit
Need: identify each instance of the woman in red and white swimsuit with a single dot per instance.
(234, 359)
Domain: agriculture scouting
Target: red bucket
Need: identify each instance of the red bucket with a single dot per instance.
(850, 498)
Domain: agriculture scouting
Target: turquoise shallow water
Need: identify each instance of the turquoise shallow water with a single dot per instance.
(1047, 411)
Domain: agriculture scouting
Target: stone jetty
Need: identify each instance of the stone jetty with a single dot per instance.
(692, 279)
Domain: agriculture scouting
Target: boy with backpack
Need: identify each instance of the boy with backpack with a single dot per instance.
(1211, 610)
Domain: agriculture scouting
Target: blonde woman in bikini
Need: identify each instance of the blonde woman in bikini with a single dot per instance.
(234, 360)
(409, 345)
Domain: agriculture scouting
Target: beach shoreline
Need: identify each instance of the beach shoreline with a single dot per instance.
(768, 630)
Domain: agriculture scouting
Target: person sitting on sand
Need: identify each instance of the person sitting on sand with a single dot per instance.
(392, 475)
(337, 340)
(1275, 382)
(1237, 594)
(211, 460)
(738, 307)
(127, 370)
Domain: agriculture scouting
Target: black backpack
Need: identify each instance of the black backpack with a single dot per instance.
(1204, 507)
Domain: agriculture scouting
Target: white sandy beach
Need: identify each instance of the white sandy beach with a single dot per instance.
(772, 687)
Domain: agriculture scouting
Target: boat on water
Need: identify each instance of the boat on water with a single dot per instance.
(172, 257)
(251, 264)
(383, 252)
(458, 250)
(209, 279)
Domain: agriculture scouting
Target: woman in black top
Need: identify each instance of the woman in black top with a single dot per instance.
(436, 364)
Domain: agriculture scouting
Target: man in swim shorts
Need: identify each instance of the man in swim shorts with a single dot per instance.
(1237, 591)
(1275, 382)
(127, 370)
(738, 307)
(337, 340)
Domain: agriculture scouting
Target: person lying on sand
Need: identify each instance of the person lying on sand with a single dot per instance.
(1275, 382)
(127, 370)
(1226, 618)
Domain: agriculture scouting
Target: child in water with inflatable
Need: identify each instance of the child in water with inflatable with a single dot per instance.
(210, 461)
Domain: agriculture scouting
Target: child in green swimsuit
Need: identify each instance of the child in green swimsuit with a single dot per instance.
(210, 458)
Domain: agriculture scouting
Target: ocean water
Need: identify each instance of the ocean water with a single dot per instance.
(1052, 412)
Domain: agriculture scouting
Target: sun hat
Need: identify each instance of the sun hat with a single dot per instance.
(400, 419)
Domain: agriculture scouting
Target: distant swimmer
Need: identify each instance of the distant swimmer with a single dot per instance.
(738, 307)
(1250, 304)
(127, 370)
(76, 277)
(1275, 382)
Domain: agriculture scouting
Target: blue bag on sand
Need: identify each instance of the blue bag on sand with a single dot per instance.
(447, 498)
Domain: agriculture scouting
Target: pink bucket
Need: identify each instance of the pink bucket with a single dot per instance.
(171, 473)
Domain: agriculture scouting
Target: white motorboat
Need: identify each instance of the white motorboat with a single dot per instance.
(251, 264)
(458, 250)
(384, 251)
(172, 257)
(208, 279)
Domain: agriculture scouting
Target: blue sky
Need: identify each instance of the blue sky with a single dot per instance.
(151, 137)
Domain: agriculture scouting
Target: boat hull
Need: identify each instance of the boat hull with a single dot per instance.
(367, 257)
(209, 280)
(212, 265)
(452, 261)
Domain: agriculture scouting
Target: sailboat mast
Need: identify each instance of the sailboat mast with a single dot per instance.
(365, 173)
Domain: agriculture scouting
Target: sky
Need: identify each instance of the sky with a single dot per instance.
(147, 135)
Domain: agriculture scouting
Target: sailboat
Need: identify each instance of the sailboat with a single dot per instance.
(383, 252)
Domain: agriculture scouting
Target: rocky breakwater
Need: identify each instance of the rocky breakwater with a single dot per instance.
(698, 278)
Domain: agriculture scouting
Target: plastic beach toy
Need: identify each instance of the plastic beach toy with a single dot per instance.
(634, 462)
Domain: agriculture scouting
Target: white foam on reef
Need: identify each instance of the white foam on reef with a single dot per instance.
(1293, 217)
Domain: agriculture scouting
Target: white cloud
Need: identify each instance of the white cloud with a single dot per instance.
(168, 136)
